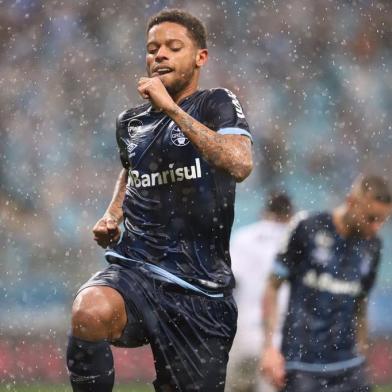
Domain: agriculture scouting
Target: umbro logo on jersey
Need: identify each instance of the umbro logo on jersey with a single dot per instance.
(134, 131)
(178, 138)
(130, 147)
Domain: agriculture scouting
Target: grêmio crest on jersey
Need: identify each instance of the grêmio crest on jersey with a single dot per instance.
(176, 135)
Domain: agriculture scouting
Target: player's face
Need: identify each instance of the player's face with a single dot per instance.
(172, 56)
(367, 216)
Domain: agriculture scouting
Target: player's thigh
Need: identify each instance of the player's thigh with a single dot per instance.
(98, 312)
(192, 342)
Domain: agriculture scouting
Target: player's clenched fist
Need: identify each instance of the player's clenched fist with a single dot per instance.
(154, 90)
(106, 231)
(272, 366)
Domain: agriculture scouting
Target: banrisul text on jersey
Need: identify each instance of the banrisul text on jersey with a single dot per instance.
(171, 175)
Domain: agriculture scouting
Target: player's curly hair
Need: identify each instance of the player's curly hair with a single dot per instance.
(195, 27)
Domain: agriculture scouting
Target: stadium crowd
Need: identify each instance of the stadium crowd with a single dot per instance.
(314, 79)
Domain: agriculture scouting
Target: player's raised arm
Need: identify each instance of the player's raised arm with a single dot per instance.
(230, 152)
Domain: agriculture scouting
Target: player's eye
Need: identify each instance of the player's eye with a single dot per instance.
(152, 49)
(175, 48)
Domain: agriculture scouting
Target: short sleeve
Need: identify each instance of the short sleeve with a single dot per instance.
(291, 251)
(122, 140)
(223, 113)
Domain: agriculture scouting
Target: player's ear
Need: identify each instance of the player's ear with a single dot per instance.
(201, 57)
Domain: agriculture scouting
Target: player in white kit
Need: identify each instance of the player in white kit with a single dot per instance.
(253, 249)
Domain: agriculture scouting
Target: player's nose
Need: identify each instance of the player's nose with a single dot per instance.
(162, 54)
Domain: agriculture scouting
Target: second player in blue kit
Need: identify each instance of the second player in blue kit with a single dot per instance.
(330, 262)
(169, 281)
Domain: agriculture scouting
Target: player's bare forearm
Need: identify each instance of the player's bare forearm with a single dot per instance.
(231, 153)
(114, 209)
(269, 309)
(362, 327)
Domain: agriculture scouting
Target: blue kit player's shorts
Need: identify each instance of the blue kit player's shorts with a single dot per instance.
(190, 333)
(345, 380)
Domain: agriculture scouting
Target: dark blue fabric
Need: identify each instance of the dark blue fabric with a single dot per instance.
(328, 276)
(90, 365)
(190, 335)
(179, 209)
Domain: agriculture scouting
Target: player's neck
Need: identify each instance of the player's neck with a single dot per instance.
(188, 90)
(178, 98)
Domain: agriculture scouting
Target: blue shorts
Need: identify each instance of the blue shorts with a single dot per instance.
(347, 380)
(190, 334)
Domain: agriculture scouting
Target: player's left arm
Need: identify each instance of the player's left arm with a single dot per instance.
(231, 153)
(363, 301)
(362, 326)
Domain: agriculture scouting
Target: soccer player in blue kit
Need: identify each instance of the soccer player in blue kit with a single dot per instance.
(169, 281)
(330, 262)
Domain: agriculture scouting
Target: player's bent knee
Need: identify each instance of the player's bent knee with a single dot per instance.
(98, 313)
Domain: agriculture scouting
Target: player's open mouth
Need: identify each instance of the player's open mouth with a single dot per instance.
(161, 71)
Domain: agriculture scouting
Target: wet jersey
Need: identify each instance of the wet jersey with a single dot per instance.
(178, 209)
(328, 275)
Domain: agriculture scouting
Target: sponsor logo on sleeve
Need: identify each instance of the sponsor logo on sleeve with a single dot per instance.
(134, 126)
(135, 130)
(236, 103)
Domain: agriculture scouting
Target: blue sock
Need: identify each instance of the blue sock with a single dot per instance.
(90, 365)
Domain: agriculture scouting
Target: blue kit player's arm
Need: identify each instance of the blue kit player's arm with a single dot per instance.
(230, 152)
(284, 267)
(292, 250)
(272, 360)
(362, 306)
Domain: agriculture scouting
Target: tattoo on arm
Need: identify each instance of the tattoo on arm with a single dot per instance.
(231, 153)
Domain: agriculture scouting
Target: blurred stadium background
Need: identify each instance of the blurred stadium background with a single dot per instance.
(314, 78)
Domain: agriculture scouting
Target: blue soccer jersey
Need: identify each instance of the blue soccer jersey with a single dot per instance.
(178, 209)
(328, 275)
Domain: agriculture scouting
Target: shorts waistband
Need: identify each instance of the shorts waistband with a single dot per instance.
(168, 279)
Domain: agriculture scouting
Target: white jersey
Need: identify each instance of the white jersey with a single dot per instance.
(253, 249)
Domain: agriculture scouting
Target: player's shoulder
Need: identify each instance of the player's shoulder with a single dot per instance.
(320, 217)
(128, 114)
(301, 218)
(219, 93)
(248, 231)
(307, 225)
